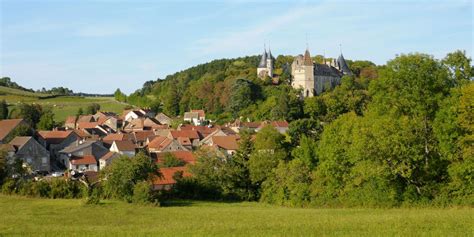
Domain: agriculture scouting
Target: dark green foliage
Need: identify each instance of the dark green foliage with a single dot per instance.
(3, 165)
(20, 130)
(31, 113)
(243, 93)
(62, 188)
(92, 108)
(7, 82)
(3, 110)
(310, 128)
(169, 160)
(46, 121)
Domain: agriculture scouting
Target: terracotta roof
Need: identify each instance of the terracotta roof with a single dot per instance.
(225, 142)
(18, 142)
(7, 125)
(109, 155)
(158, 143)
(84, 160)
(114, 137)
(251, 124)
(204, 131)
(125, 145)
(185, 156)
(85, 119)
(141, 135)
(70, 119)
(167, 175)
(82, 125)
(279, 124)
(200, 112)
(184, 141)
(80, 133)
(186, 133)
(54, 134)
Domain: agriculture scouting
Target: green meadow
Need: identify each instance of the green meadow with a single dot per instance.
(22, 216)
(62, 106)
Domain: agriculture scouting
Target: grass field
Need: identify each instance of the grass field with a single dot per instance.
(62, 106)
(44, 217)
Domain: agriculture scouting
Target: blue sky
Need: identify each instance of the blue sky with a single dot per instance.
(98, 46)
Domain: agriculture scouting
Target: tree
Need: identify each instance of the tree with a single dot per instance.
(171, 101)
(311, 128)
(269, 149)
(3, 165)
(31, 113)
(3, 110)
(243, 93)
(92, 108)
(288, 184)
(120, 96)
(20, 130)
(459, 67)
(46, 121)
(306, 152)
(237, 180)
(79, 112)
(170, 160)
(124, 173)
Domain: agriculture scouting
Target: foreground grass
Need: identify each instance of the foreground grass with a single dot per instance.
(44, 217)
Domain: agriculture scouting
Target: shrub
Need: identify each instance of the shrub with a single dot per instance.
(143, 194)
(9, 187)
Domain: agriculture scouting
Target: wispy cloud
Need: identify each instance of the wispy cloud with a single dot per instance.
(245, 38)
(96, 31)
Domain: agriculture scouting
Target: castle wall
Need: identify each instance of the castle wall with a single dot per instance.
(324, 83)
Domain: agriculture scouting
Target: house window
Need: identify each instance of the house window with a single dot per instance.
(87, 166)
(44, 160)
(28, 160)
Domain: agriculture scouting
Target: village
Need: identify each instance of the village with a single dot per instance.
(87, 144)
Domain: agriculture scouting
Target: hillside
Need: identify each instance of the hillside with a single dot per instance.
(229, 88)
(62, 106)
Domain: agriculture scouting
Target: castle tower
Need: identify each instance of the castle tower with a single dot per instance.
(302, 70)
(265, 67)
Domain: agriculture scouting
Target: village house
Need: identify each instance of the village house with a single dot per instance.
(78, 156)
(163, 144)
(196, 117)
(54, 141)
(124, 148)
(163, 119)
(31, 152)
(280, 126)
(107, 159)
(70, 123)
(227, 145)
(110, 138)
(9, 125)
(185, 137)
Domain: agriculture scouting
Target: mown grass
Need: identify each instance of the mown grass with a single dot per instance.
(44, 217)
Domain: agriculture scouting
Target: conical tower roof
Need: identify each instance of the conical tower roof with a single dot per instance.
(307, 58)
(263, 59)
(343, 65)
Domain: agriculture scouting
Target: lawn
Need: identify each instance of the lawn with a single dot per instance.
(43, 217)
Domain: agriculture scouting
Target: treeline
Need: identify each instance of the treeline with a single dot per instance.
(7, 82)
(403, 138)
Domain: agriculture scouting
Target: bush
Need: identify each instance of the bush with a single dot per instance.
(143, 194)
(9, 187)
(61, 188)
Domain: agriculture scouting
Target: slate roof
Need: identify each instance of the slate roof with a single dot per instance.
(343, 65)
(326, 70)
(263, 60)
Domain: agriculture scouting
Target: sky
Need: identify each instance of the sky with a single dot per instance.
(98, 46)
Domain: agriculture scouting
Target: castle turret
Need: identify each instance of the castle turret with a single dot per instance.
(265, 67)
(342, 65)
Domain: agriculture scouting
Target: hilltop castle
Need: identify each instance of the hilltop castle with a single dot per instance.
(312, 78)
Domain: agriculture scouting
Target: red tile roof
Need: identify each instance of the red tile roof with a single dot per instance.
(83, 125)
(70, 120)
(54, 134)
(186, 133)
(226, 142)
(125, 145)
(84, 160)
(279, 124)
(7, 126)
(185, 156)
(203, 130)
(167, 175)
(114, 137)
(109, 155)
(200, 112)
(184, 141)
(141, 135)
(158, 143)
